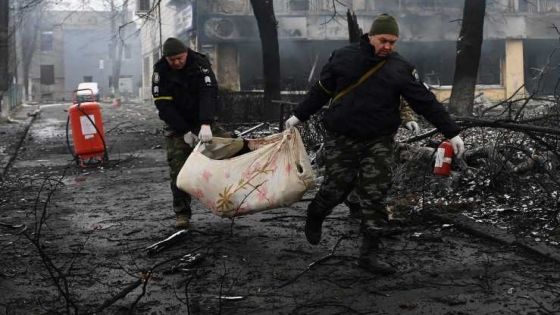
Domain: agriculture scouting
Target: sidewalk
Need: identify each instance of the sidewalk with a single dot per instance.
(12, 132)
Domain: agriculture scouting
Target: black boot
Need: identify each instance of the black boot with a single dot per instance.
(352, 201)
(313, 224)
(354, 207)
(369, 250)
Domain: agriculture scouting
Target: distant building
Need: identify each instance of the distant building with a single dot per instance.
(519, 37)
(73, 47)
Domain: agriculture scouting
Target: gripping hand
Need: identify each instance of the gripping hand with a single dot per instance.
(205, 134)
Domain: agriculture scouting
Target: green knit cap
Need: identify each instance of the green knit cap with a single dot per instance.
(173, 46)
(384, 24)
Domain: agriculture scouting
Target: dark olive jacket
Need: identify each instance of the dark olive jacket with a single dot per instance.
(371, 109)
(185, 98)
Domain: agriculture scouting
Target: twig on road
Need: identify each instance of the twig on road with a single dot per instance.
(316, 262)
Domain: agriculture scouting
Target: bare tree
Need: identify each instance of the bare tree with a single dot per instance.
(468, 57)
(119, 16)
(30, 21)
(4, 47)
(268, 31)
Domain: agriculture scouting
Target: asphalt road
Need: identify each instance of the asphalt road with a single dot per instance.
(73, 240)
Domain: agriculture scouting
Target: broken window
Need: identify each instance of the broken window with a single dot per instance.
(46, 41)
(142, 5)
(489, 69)
(523, 6)
(549, 5)
(299, 5)
(47, 74)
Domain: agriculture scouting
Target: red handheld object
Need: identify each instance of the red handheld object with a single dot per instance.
(444, 157)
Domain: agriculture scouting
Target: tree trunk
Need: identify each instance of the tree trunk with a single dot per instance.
(29, 34)
(468, 57)
(268, 32)
(4, 44)
(117, 48)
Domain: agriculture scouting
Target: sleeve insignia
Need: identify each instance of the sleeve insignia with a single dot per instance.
(155, 77)
(207, 80)
(415, 75)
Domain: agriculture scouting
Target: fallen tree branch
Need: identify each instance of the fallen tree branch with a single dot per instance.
(313, 264)
(146, 276)
(467, 225)
(124, 292)
(470, 122)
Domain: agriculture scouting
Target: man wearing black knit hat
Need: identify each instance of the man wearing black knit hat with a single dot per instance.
(364, 82)
(184, 89)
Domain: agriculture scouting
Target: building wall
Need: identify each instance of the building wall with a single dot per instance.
(80, 49)
(87, 58)
(174, 23)
(88, 55)
(513, 68)
(52, 55)
(308, 30)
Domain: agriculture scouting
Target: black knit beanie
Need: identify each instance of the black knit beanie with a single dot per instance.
(384, 24)
(173, 46)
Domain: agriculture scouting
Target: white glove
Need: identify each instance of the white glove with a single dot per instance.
(292, 122)
(205, 133)
(190, 139)
(412, 126)
(458, 146)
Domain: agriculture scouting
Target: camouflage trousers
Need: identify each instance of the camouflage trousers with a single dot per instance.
(177, 153)
(362, 165)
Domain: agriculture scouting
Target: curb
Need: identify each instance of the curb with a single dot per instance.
(25, 115)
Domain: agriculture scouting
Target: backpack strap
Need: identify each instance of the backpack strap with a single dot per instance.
(364, 77)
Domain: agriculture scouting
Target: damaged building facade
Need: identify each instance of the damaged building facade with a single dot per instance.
(60, 49)
(517, 53)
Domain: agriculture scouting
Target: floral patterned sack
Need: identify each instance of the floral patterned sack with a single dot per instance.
(275, 173)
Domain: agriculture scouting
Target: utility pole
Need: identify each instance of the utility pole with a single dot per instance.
(4, 44)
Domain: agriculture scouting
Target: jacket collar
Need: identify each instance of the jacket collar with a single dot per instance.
(367, 49)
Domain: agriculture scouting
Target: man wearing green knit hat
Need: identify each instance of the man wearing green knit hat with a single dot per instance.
(184, 89)
(384, 24)
(365, 82)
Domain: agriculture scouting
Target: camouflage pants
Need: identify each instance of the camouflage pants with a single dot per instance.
(177, 153)
(362, 165)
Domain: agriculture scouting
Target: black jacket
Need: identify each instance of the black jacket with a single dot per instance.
(185, 98)
(372, 108)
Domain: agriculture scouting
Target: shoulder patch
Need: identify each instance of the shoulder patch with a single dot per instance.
(155, 77)
(415, 75)
(207, 80)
